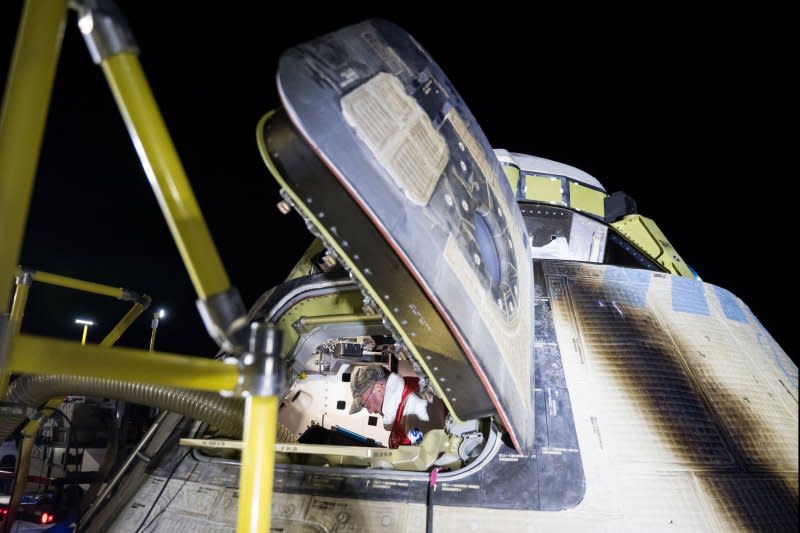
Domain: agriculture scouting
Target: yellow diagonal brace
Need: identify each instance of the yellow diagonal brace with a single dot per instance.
(78, 284)
(164, 170)
(22, 120)
(43, 356)
(122, 326)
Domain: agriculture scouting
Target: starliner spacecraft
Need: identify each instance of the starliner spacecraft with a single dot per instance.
(579, 374)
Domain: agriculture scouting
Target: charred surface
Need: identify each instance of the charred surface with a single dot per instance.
(627, 343)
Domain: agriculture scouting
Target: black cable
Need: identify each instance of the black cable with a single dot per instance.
(59, 411)
(429, 511)
(429, 500)
(160, 492)
(164, 509)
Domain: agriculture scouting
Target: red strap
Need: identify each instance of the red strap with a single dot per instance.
(398, 435)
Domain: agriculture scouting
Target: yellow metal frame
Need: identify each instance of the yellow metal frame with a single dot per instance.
(30, 354)
(78, 284)
(647, 237)
(22, 121)
(24, 281)
(165, 172)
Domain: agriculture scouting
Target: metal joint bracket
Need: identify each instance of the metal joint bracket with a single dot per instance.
(24, 277)
(133, 296)
(261, 367)
(105, 29)
(225, 318)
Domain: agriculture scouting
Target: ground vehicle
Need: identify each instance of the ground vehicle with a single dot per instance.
(35, 513)
(8, 453)
(615, 300)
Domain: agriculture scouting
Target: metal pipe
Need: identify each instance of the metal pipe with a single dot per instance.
(152, 339)
(153, 329)
(223, 413)
(87, 516)
(37, 355)
(21, 479)
(17, 310)
(78, 284)
(22, 121)
(18, 306)
(125, 322)
(258, 464)
(166, 174)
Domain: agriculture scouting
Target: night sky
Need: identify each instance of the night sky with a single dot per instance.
(681, 107)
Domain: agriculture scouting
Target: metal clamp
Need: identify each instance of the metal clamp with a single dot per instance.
(261, 371)
(24, 277)
(133, 296)
(105, 29)
(225, 318)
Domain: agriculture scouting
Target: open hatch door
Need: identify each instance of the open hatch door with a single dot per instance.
(377, 151)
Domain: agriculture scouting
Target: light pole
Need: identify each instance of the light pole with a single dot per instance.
(161, 313)
(85, 323)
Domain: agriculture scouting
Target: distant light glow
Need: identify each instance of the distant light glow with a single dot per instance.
(162, 313)
(84, 322)
(86, 23)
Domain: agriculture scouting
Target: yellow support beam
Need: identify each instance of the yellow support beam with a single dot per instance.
(78, 284)
(22, 121)
(38, 355)
(258, 462)
(23, 468)
(31, 429)
(18, 306)
(166, 174)
(124, 323)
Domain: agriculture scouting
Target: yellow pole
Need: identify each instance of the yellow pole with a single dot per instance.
(132, 314)
(154, 327)
(31, 429)
(22, 120)
(20, 301)
(21, 478)
(17, 312)
(83, 339)
(152, 338)
(166, 174)
(258, 461)
(38, 355)
(78, 284)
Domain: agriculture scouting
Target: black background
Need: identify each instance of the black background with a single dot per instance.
(685, 107)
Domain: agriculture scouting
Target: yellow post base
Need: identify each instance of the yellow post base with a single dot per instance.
(258, 461)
